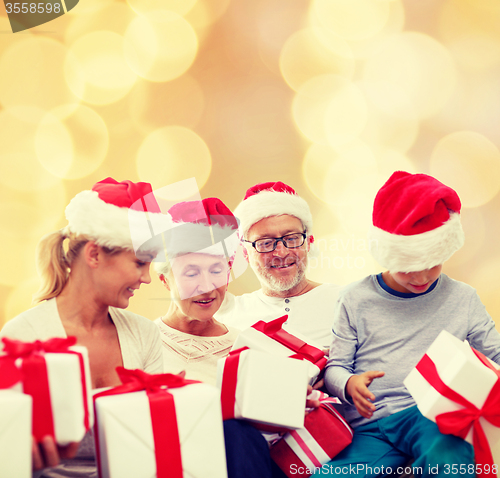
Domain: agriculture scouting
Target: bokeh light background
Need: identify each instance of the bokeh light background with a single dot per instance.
(330, 96)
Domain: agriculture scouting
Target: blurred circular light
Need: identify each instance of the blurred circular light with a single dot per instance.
(19, 165)
(160, 45)
(31, 74)
(112, 17)
(470, 30)
(328, 108)
(469, 163)
(346, 115)
(352, 19)
(74, 145)
(171, 154)
(387, 131)
(153, 105)
(410, 72)
(99, 64)
(305, 56)
(181, 7)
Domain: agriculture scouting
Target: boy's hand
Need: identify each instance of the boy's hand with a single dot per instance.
(357, 389)
(49, 454)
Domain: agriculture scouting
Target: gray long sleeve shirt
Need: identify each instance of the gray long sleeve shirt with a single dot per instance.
(376, 330)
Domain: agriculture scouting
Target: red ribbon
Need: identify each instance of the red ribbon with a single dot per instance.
(229, 383)
(163, 416)
(302, 349)
(33, 374)
(459, 422)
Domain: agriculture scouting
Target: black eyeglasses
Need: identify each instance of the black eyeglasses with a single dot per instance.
(290, 241)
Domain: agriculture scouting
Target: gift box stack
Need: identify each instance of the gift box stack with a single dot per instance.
(45, 391)
(459, 388)
(159, 426)
(270, 337)
(266, 389)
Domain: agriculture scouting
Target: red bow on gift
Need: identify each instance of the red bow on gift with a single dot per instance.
(163, 415)
(460, 422)
(10, 374)
(33, 374)
(303, 350)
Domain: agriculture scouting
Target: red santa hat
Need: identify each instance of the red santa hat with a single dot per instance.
(206, 226)
(271, 199)
(117, 214)
(416, 223)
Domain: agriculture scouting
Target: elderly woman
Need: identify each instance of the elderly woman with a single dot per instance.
(90, 270)
(201, 249)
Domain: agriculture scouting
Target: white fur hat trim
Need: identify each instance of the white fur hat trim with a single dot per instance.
(272, 203)
(418, 252)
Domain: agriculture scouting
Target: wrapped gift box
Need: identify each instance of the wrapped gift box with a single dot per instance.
(126, 442)
(263, 388)
(325, 434)
(15, 434)
(270, 337)
(466, 372)
(57, 377)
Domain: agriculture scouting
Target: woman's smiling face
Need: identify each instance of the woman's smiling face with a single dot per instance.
(198, 284)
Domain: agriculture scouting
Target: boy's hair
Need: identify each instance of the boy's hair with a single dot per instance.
(416, 223)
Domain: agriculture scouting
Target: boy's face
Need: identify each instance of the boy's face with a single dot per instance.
(414, 282)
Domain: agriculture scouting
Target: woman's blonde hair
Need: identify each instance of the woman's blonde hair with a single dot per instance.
(54, 260)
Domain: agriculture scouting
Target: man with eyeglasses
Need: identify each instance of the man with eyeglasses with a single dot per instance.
(276, 231)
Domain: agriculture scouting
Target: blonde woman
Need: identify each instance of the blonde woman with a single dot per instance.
(89, 273)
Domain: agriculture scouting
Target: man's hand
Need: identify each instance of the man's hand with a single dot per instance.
(47, 453)
(357, 389)
(311, 403)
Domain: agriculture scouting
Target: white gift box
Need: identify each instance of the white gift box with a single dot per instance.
(256, 340)
(461, 370)
(68, 394)
(270, 390)
(15, 434)
(125, 433)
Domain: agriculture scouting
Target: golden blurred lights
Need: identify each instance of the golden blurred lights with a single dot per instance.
(329, 109)
(470, 163)
(181, 7)
(352, 19)
(153, 105)
(160, 45)
(329, 171)
(387, 131)
(171, 154)
(71, 143)
(471, 33)
(31, 74)
(99, 64)
(411, 71)
(19, 166)
(20, 296)
(114, 17)
(24, 218)
(305, 56)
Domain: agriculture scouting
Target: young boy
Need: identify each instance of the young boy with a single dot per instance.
(384, 324)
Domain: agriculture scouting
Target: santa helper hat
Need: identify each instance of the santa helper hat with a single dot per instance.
(117, 214)
(271, 199)
(206, 226)
(416, 223)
